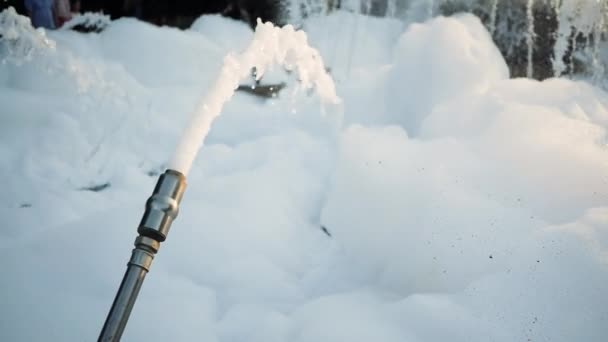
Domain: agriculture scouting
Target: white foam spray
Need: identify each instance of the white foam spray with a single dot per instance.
(579, 19)
(530, 37)
(391, 8)
(284, 46)
(493, 11)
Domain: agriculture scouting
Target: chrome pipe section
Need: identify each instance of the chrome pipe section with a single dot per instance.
(161, 209)
(138, 267)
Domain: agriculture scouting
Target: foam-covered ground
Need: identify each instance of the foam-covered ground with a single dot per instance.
(462, 205)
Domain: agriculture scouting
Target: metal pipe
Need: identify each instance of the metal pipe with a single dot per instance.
(161, 209)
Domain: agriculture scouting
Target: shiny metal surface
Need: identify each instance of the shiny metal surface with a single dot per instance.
(123, 304)
(161, 209)
(147, 243)
(163, 206)
(141, 258)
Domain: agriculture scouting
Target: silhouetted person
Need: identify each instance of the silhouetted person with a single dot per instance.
(62, 12)
(41, 13)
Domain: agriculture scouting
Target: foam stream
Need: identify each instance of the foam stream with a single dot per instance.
(284, 46)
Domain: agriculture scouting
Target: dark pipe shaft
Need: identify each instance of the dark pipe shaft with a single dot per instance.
(123, 304)
(161, 209)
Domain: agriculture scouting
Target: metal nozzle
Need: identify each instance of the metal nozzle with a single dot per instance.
(163, 206)
(161, 209)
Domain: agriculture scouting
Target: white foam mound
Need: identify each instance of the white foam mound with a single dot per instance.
(439, 60)
(19, 41)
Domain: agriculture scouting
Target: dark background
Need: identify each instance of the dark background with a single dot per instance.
(179, 13)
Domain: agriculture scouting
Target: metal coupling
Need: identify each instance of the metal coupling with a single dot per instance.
(163, 206)
(143, 253)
